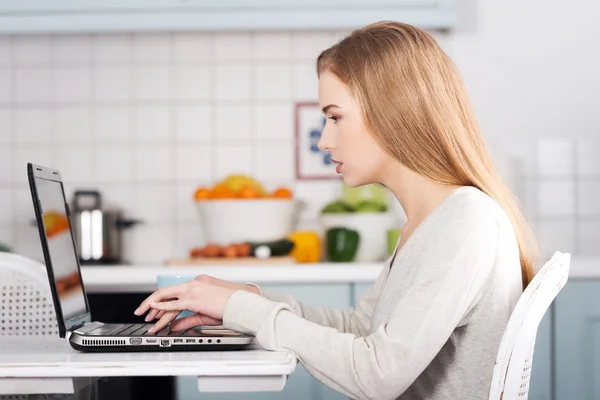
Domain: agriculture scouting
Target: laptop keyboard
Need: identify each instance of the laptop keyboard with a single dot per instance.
(130, 330)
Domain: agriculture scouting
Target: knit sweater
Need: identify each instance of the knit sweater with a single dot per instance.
(428, 328)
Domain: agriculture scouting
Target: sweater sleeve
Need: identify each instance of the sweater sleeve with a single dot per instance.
(452, 269)
(355, 320)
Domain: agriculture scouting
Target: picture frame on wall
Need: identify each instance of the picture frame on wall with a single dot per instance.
(310, 162)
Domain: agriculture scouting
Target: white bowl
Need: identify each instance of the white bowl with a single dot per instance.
(226, 221)
(372, 228)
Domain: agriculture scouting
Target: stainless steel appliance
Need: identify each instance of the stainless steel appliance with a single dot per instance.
(97, 231)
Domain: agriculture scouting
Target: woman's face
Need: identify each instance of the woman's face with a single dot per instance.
(358, 157)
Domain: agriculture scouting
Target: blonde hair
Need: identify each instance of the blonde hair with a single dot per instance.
(415, 104)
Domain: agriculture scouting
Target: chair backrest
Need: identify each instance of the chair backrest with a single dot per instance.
(512, 371)
(26, 306)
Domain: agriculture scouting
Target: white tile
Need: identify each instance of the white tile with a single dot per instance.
(22, 205)
(72, 85)
(5, 57)
(5, 205)
(152, 163)
(187, 236)
(5, 164)
(7, 235)
(275, 121)
(152, 83)
(31, 50)
(36, 155)
(112, 83)
(112, 49)
(5, 86)
(33, 85)
(5, 117)
(272, 46)
(314, 195)
(588, 162)
(193, 47)
(193, 83)
(75, 163)
(273, 82)
(150, 244)
(588, 235)
(73, 125)
(27, 240)
(185, 207)
(308, 45)
(305, 83)
(118, 195)
(232, 122)
(152, 124)
(232, 47)
(151, 48)
(193, 123)
(556, 236)
(113, 124)
(193, 163)
(275, 162)
(113, 164)
(233, 83)
(555, 157)
(32, 126)
(233, 160)
(154, 203)
(556, 198)
(588, 197)
(72, 50)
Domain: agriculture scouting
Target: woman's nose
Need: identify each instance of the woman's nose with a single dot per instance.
(325, 141)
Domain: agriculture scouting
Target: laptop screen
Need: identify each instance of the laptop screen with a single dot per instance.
(61, 248)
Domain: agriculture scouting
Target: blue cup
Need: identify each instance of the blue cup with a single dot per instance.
(171, 280)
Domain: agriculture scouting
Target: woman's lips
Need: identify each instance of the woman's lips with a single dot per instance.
(338, 168)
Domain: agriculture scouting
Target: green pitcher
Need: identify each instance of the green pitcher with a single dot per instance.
(342, 244)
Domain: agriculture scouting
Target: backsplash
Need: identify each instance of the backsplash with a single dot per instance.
(146, 118)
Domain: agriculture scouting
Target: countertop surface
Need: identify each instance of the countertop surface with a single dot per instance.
(142, 278)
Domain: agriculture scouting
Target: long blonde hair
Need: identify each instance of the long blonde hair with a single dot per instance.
(415, 104)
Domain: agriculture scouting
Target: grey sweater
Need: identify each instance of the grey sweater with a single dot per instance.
(428, 328)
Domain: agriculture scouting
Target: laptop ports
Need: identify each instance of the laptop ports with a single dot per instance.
(151, 340)
(177, 340)
(165, 343)
(135, 341)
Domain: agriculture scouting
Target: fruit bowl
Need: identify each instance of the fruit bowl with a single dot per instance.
(226, 221)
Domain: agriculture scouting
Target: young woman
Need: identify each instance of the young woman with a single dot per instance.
(429, 328)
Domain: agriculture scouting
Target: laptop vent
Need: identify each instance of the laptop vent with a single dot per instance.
(104, 342)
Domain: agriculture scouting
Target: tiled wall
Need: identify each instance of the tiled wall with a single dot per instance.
(146, 118)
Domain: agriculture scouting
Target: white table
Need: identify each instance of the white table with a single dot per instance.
(38, 366)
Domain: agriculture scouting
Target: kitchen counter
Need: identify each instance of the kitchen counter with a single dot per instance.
(142, 278)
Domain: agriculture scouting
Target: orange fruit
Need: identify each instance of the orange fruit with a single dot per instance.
(282, 193)
(221, 191)
(202, 193)
(249, 192)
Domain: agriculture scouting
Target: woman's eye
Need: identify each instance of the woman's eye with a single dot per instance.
(334, 118)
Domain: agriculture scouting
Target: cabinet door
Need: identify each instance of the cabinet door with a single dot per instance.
(42, 16)
(540, 387)
(300, 385)
(577, 332)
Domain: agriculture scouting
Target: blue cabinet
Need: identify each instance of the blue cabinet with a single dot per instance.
(27, 16)
(540, 386)
(301, 385)
(577, 333)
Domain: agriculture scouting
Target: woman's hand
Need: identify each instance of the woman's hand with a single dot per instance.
(206, 296)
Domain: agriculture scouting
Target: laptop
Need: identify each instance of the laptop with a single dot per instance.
(69, 295)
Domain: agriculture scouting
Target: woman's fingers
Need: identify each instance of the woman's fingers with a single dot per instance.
(186, 323)
(161, 294)
(155, 314)
(170, 305)
(163, 321)
(160, 314)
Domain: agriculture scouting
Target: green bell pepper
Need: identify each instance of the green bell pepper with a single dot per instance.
(342, 244)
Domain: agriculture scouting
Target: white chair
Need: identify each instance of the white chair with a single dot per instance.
(26, 309)
(512, 370)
